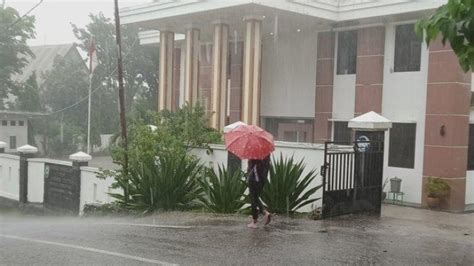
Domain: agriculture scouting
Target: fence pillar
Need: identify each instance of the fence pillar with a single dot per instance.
(26, 152)
(79, 160)
(3, 145)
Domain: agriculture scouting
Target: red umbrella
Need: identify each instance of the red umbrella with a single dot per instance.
(249, 142)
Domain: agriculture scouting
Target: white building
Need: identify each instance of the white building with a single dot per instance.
(302, 69)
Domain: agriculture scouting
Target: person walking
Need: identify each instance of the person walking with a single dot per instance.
(257, 173)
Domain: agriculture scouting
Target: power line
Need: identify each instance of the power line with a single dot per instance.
(96, 89)
(24, 15)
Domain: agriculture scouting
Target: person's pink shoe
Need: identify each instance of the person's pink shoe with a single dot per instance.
(252, 225)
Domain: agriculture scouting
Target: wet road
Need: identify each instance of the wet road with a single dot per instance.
(402, 236)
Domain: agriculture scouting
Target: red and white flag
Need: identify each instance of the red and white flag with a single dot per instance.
(92, 53)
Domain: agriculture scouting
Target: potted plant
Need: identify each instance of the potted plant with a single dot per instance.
(436, 189)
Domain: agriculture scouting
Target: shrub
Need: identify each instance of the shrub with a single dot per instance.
(287, 187)
(169, 183)
(223, 192)
(437, 188)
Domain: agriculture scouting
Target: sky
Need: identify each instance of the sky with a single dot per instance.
(54, 17)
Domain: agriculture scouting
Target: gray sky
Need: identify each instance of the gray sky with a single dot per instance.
(54, 17)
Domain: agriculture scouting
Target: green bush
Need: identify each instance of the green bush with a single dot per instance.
(223, 192)
(437, 188)
(169, 183)
(287, 187)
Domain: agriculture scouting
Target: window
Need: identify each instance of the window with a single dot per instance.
(346, 52)
(4, 123)
(21, 123)
(342, 134)
(13, 123)
(407, 49)
(402, 145)
(290, 129)
(470, 156)
(12, 142)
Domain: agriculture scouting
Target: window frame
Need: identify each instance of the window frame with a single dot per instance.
(397, 155)
(342, 37)
(13, 144)
(412, 66)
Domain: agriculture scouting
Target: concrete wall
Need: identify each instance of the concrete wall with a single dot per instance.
(404, 100)
(9, 176)
(94, 190)
(288, 75)
(21, 132)
(36, 180)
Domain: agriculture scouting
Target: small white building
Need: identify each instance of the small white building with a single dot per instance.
(14, 128)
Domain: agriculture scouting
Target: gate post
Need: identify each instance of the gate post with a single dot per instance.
(26, 152)
(79, 160)
(370, 141)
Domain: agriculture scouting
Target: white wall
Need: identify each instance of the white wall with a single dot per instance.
(93, 189)
(312, 154)
(289, 75)
(36, 180)
(344, 93)
(9, 176)
(404, 100)
(470, 187)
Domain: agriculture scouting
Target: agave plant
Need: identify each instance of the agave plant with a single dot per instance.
(169, 183)
(223, 192)
(287, 188)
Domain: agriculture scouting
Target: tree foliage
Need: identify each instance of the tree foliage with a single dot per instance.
(455, 22)
(14, 32)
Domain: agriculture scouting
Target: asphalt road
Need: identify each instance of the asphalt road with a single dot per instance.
(403, 236)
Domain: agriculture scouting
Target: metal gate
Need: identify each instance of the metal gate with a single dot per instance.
(352, 178)
(62, 188)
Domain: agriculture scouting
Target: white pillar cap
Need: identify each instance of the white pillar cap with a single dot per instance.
(3, 145)
(80, 157)
(27, 149)
(370, 121)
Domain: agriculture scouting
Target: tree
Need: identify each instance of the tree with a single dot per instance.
(14, 32)
(66, 85)
(455, 22)
(28, 96)
(140, 63)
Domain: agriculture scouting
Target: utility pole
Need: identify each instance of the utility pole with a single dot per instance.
(123, 122)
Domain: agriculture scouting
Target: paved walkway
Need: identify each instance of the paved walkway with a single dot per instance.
(402, 236)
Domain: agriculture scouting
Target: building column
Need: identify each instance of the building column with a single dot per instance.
(252, 71)
(324, 86)
(191, 72)
(219, 76)
(447, 124)
(166, 70)
(369, 73)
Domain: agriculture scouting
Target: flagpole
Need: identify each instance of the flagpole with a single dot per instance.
(89, 116)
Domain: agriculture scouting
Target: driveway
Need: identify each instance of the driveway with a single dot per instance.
(401, 236)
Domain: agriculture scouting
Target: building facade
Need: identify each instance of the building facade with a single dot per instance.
(303, 69)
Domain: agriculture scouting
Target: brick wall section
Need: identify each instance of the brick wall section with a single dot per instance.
(324, 86)
(448, 104)
(369, 73)
(205, 77)
(236, 64)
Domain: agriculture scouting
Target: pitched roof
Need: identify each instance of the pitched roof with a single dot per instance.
(43, 60)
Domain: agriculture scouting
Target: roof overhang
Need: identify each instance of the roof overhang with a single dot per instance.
(166, 13)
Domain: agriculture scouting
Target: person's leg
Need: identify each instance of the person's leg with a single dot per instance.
(261, 208)
(267, 214)
(253, 193)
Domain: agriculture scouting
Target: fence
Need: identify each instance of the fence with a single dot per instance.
(69, 186)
